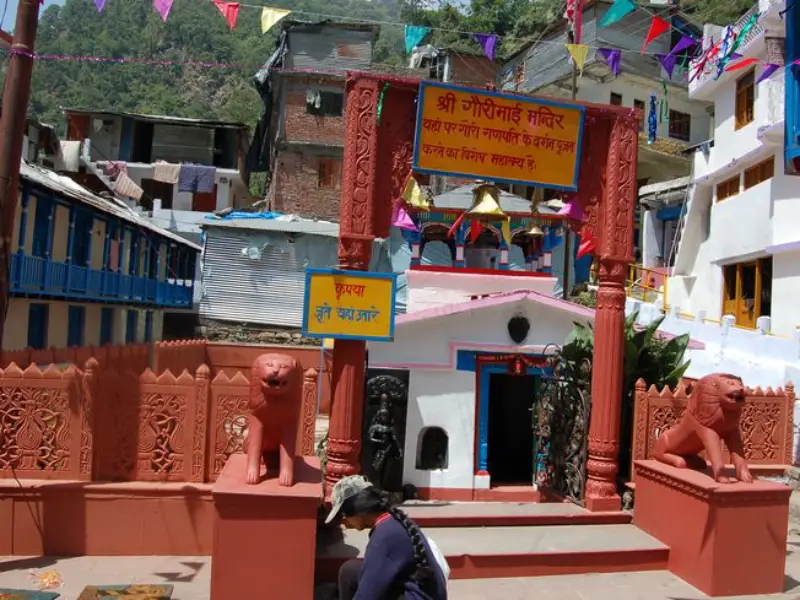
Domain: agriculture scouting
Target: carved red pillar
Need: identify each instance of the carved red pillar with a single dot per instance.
(615, 231)
(355, 249)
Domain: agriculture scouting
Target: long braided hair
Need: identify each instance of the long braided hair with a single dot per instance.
(373, 501)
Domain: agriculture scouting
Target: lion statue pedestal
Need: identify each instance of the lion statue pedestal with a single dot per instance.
(726, 535)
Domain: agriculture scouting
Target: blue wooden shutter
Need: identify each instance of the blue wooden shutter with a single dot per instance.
(38, 320)
(106, 324)
(76, 326)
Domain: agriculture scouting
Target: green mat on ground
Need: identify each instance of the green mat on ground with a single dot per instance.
(8, 594)
(142, 591)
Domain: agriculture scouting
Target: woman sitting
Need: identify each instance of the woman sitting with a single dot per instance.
(398, 563)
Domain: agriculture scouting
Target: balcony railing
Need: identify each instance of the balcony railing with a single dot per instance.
(34, 275)
(710, 67)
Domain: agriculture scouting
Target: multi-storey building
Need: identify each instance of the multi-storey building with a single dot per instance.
(545, 68)
(302, 134)
(740, 244)
(137, 143)
(88, 270)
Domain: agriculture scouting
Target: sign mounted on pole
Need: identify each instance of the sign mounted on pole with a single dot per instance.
(349, 305)
(467, 132)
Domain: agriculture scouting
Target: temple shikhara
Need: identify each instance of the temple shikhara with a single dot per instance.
(470, 334)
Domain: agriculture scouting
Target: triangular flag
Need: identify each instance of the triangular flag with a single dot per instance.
(572, 211)
(452, 231)
(488, 42)
(414, 34)
(746, 62)
(99, 4)
(616, 11)
(658, 26)
(403, 220)
(229, 10)
(587, 246)
(613, 56)
(684, 43)
(475, 230)
(668, 62)
(270, 16)
(578, 53)
(769, 69)
(505, 227)
(163, 7)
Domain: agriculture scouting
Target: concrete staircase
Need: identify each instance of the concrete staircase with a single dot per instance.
(502, 540)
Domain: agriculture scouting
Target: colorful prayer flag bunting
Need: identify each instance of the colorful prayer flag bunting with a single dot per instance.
(668, 62)
(578, 52)
(488, 42)
(658, 26)
(229, 10)
(414, 35)
(684, 43)
(612, 56)
(270, 16)
(745, 62)
(99, 4)
(616, 11)
(162, 8)
(769, 69)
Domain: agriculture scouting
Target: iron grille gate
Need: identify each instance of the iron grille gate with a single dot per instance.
(561, 429)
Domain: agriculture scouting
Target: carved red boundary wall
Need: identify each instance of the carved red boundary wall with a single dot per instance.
(767, 421)
(107, 425)
(176, 356)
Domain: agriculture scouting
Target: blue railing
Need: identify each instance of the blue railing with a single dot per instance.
(44, 277)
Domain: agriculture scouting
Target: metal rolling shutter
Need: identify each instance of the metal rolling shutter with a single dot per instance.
(268, 291)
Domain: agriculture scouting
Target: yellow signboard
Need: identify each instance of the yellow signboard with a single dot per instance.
(349, 305)
(499, 137)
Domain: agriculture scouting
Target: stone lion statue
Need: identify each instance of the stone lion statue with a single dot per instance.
(276, 396)
(712, 415)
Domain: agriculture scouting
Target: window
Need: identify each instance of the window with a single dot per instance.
(747, 291)
(148, 326)
(76, 325)
(745, 99)
(157, 190)
(41, 227)
(680, 126)
(82, 238)
(38, 321)
(433, 452)
(759, 173)
(131, 325)
(728, 188)
(330, 173)
(324, 104)
(106, 325)
(616, 99)
(639, 105)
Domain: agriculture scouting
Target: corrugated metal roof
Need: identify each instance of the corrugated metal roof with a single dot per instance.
(327, 48)
(62, 184)
(156, 118)
(461, 198)
(286, 223)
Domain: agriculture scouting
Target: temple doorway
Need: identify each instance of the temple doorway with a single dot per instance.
(511, 453)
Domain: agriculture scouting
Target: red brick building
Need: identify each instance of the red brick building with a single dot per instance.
(307, 121)
(302, 86)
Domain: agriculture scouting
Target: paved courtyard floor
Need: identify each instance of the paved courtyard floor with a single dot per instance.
(191, 577)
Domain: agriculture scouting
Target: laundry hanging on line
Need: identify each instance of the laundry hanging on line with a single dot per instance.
(125, 186)
(196, 178)
(166, 172)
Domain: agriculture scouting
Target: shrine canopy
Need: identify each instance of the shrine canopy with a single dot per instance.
(465, 132)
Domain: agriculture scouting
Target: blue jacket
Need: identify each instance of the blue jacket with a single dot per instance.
(388, 569)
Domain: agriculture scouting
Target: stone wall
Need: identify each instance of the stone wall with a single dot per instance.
(216, 331)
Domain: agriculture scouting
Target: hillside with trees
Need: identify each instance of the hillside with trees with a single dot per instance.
(196, 32)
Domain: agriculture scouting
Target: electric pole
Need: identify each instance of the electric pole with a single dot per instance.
(16, 93)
